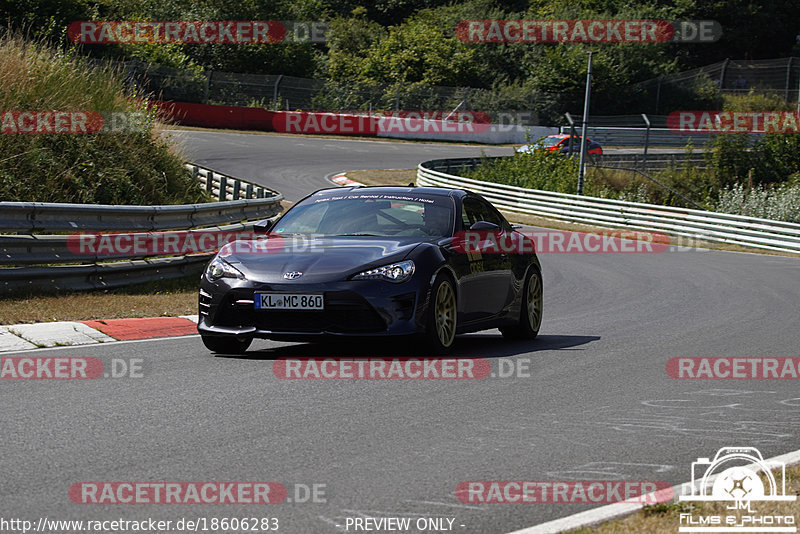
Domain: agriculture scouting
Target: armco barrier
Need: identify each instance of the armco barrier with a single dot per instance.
(710, 226)
(632, 136)
(53, 249)
(98, 276)
(57, 217)
(27, 252)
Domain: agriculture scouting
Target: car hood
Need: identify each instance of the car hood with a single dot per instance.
(320, 259)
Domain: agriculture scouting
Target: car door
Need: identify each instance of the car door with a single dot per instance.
(487, 290)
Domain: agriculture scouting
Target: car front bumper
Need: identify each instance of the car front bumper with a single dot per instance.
(351, 308)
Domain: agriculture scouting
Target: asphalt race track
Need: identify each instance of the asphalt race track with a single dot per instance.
(297, 166)
(595, 404)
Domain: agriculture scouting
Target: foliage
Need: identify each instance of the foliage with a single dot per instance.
(540, 169)
(134, 167)
(781, 202)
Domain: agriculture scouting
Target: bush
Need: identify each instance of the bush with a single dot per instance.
(135, 167)
(781, 203)
(541, 169)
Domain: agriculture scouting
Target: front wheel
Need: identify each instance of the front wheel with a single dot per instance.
(227, 344)
(442, 316)
(530, 316)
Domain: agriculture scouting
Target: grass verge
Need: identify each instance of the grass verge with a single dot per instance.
(154, 299)
(76, 163)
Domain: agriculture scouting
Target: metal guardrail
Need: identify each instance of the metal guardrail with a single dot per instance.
(641, 162)
(63, 217)
(719, 227)
(32, 255)
(53, 249)
(215, 182)
(634, 136)
(98, 276)
(650, 162)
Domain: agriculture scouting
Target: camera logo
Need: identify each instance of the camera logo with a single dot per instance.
(741, 475)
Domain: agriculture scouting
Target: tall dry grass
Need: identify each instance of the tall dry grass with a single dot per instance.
(130, 167)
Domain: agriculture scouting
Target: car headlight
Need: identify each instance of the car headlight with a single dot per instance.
(395, 272)
(219, 268)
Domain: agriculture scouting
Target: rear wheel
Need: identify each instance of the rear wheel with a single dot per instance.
(227, 344)
(530, 316)
(442, 316)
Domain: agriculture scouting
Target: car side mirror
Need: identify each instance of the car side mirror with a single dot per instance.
(263, 226)
(484, 226)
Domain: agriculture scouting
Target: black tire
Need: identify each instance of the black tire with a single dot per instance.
(226, 344)
(442, 319)
(530, 315)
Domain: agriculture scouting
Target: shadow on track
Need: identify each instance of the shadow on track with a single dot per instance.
(484, 345)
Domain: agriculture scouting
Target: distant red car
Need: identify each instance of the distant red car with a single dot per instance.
(560, 142)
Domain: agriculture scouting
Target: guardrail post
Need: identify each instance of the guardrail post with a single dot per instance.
(223, 187)
(210, 181)
(260, 192)
(237, 186)
(195, 173)
(571, 132)
(584, 146)
(275, 93)
(248, 191)
(206, 87)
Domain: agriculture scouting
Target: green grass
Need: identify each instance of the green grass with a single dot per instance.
(134, 167)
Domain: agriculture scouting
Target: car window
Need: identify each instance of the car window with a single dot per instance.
(550, 141)
(475, 209)
(370, 214)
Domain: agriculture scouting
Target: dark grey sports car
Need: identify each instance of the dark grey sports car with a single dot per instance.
(374, 261)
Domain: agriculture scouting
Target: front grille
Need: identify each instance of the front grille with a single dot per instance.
(345, 312)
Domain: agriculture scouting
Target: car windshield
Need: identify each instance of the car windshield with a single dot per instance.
(551, 141)
(370, 214)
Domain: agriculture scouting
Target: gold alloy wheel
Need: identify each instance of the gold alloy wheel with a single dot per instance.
(534, 301)
(445, 314)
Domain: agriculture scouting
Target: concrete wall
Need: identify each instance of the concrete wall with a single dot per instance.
(327, 123)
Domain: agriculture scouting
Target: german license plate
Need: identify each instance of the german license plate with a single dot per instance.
(288, 301)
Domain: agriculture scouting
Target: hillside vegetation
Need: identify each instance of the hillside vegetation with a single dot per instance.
(404, 46)
(123, 167)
